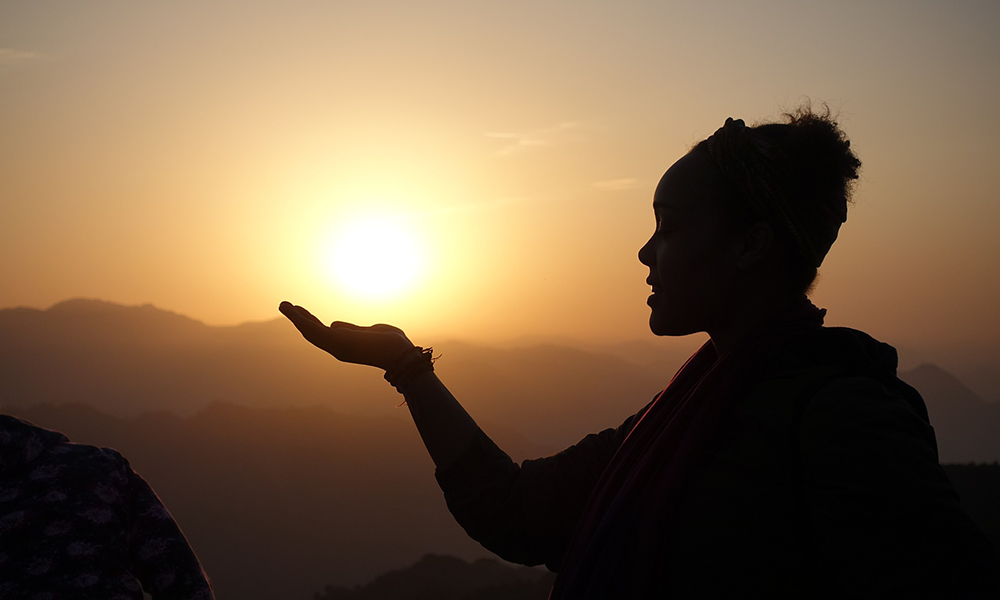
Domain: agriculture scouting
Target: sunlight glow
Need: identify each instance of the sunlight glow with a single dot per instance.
(375, 258)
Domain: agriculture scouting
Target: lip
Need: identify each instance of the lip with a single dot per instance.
(655, 287)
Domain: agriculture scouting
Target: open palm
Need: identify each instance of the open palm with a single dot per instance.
(378, 345)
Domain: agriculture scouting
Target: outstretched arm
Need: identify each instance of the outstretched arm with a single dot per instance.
(446, 429)
(526, 513)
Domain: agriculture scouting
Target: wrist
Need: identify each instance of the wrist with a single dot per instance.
(413, 362)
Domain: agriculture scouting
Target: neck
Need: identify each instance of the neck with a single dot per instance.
(744, 318)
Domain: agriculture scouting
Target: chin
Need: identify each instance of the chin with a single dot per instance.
(661, 325)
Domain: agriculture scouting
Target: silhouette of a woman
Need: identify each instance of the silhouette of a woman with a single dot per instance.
(784, 460)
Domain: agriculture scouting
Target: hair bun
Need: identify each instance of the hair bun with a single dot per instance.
(797, 175)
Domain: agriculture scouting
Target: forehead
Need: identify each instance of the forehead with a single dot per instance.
(690, 184)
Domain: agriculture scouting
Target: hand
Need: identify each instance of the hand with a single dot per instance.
(378, 346)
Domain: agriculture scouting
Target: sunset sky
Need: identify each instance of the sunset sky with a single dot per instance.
(213, 157)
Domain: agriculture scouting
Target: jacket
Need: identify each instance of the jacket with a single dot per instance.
(821, 481)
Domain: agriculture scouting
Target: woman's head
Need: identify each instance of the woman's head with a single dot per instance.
(796, 176)
(748, 209)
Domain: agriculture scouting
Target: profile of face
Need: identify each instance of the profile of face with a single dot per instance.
(693, 254)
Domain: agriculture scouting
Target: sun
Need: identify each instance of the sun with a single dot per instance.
(375, 257)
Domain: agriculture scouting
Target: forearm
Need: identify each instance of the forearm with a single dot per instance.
(479, 481)
(446, 429)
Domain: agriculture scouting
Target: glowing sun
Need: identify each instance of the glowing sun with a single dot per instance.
(375, 258)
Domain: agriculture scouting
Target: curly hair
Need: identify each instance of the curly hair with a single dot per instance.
(797, 175)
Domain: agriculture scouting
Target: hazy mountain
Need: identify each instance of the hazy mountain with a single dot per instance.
(128, 360)
(977, 365)
(967, 428)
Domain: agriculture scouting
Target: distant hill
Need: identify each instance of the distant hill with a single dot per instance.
(127, 360)
(436, 577)
(967, 428)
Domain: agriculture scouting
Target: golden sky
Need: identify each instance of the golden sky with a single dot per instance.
(209, 156)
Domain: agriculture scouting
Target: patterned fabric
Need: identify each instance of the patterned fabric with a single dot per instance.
(76, 522)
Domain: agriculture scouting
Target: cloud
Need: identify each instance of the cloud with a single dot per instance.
(517, 141)
(10, 57)
(615, 185)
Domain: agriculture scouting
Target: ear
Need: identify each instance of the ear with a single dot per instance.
(756, 242)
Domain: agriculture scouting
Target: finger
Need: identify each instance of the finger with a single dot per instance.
(382, 327)
(298, 314)
(289, 310)
(308, 315)
(292, 311)
(308, 327)
(344, 325)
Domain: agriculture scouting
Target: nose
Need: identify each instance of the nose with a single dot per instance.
(646, 254)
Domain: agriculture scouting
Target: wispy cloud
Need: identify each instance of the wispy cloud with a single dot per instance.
(10, 57)
(614, 185)
(475, 205)
(522, 140)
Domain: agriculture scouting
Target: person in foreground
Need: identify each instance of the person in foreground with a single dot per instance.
(77, 523)
(784, 460)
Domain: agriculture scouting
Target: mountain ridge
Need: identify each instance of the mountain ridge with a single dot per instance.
(127, 360)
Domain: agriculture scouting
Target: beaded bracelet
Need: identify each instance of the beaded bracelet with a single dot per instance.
(413, 362)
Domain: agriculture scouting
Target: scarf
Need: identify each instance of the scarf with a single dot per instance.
(633, 508)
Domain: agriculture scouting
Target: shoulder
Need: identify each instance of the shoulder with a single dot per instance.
(842, 370)
(839, 383)
(860, 402)
(860, 434)
(833, 350)
(81, 464)
(72, 453)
